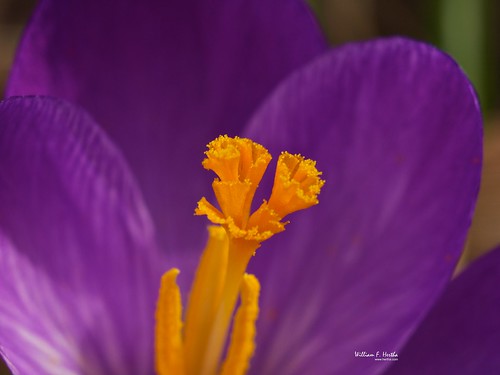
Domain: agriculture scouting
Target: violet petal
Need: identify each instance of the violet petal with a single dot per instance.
(73, 218)
(461, 334)
(396, 128)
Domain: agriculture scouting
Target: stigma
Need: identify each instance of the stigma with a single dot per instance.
(193, 344)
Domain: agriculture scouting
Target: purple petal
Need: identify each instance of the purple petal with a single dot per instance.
(47, 329)
(396, 128)
(461, 334)
(164, 78)
(79, 264)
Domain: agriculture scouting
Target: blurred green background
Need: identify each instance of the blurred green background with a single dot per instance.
(469, 30)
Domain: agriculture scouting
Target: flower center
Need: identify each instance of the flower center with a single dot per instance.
(196, 347)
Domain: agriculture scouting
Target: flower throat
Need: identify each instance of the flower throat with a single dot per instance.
(195, 347)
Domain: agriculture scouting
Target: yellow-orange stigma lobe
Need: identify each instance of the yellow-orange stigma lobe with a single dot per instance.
(196, 348)
(297, 184)
(240, 164)
(236, 159)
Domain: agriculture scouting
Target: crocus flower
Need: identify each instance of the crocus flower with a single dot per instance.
(98, 187)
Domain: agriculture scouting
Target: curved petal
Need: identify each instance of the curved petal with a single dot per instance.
(45, 328)
(461, 334)
(72, 218)
(164, 78)
(396, 128)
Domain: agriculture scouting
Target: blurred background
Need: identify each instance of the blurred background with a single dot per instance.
(469, 30)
